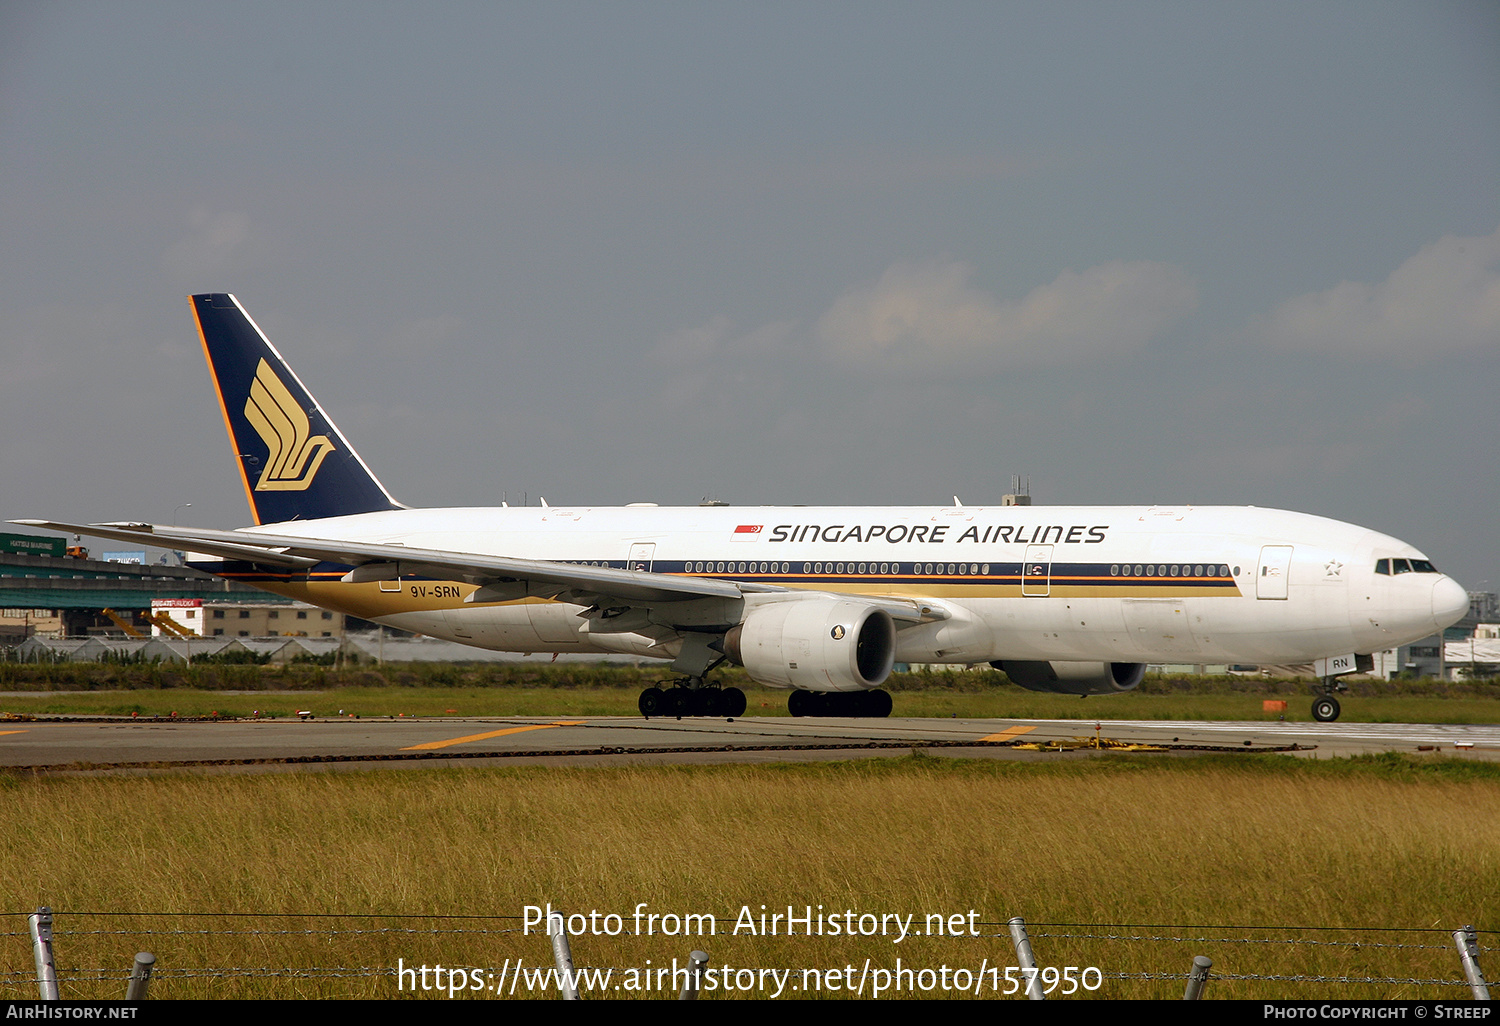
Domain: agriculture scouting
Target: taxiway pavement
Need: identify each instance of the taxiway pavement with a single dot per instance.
(94, 744)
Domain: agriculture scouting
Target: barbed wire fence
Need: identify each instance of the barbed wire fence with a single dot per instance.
(1433, 947)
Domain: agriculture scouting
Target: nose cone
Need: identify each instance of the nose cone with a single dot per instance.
(1449, 602)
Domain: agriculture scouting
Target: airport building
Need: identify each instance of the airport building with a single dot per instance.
(49, 589)
(1484, 608)
(216, 618)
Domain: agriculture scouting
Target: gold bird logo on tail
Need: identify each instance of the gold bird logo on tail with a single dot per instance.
(294, 453)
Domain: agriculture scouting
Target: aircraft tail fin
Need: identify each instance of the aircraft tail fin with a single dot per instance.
(294, 461)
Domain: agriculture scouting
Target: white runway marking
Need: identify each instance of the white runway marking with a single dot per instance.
(1487, 734)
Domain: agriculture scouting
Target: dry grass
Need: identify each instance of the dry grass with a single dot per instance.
(1194, 845)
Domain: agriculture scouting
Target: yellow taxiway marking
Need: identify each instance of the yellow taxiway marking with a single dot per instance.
(13, 731)
(493, 733)
(1009, 734)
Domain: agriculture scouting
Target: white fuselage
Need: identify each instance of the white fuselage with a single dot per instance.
(1108, 583)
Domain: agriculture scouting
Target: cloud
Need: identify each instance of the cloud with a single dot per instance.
(926, 316)
(693, 346)
(213, 243)
(1445, 299)
(716, 359)
(718, 340)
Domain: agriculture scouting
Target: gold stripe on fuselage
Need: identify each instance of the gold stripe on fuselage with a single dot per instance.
(371, 600)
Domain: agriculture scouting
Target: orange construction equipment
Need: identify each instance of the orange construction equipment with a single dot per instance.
(171, 626)
(124, 625)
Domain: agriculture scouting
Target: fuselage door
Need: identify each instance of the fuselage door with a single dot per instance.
(1036, 572)
(1275, 569)
(641, 554)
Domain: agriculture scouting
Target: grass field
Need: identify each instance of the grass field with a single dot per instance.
(502, 700)
(1273, 867)
(585, 689)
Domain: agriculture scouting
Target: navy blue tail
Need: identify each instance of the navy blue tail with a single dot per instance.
(295, 462)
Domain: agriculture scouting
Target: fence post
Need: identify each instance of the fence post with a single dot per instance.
(1468, 952)
(696, 961)
(562, 955)
(1027, 959)
(40, 925)
(1198, 977)
(140, 976)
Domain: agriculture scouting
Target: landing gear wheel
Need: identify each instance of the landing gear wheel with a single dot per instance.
(878, 703)
(798, 703)
(734, 703)
(651, 702)
(708, 702)
(679, 702)
(1325, 709)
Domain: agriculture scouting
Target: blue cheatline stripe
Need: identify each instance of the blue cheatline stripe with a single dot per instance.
(832, 573)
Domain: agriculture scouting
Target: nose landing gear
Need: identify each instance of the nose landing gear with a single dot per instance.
(1325, 707)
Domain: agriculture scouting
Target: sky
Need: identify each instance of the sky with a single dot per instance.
(820, 253)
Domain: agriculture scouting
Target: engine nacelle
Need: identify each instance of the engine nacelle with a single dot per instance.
(1070, 678)
(821, 644)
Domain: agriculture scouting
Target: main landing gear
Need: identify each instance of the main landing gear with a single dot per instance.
(691, 696)
(1325, 707)
(876, 703)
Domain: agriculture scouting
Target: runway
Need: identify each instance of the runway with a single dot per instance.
(100, 744)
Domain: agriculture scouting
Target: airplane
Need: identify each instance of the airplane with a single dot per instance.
(822, 601)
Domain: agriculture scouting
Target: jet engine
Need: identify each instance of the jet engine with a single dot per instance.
(1073, 678)
(820, 644)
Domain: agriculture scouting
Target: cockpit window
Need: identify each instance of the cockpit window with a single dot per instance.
(1404, 566)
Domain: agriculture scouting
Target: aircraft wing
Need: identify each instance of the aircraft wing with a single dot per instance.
(374, 561)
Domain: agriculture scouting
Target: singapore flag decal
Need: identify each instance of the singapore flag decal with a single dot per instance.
(747, 532)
